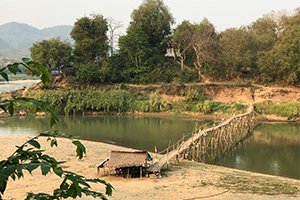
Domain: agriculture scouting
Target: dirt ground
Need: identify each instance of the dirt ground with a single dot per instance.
(186, 180)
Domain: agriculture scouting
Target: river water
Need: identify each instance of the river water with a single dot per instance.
(272, 148)
(16, 85)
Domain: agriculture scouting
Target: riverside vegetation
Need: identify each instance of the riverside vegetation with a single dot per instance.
(125, 99)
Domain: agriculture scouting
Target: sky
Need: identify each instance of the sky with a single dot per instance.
(221, 13)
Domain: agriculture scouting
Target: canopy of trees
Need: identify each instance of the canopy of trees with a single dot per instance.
(265, 51)
(55, 54)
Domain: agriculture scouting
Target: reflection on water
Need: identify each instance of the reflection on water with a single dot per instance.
(272, 149)
(136, 132)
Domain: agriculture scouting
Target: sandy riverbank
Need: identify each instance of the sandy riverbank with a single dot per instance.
(188, 180)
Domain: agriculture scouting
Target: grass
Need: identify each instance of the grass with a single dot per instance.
(237, 181)
(289, 109)
(258, 185)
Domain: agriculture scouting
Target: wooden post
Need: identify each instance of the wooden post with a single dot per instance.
(168, 153)
(141, 171)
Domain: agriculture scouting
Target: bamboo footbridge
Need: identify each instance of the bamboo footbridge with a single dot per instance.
(211, 142)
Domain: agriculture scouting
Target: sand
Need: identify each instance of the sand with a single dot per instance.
(186, 180)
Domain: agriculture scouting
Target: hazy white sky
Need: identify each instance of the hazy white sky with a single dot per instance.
(222, 13)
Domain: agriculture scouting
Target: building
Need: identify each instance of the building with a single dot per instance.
(127, 164)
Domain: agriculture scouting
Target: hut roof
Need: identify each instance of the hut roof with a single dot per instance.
(119, 159)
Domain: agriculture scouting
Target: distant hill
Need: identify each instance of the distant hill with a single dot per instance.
(17, 37)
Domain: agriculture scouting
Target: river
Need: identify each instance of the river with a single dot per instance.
(272, 148)
(16, 85)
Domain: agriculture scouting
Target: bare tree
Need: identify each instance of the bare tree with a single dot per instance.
(113, 26)
(203, 45)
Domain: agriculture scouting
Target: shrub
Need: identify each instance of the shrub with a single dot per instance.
(186, 76)
(193, 95)
(290, 110)
(258, 108)
(207, 107)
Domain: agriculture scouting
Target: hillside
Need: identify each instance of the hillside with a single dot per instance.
(18, 38)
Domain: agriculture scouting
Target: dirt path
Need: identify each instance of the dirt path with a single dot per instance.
(186, 180)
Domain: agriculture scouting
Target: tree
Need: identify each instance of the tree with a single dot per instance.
(29, 157)
(204, 45)
(282, 62)
(90, 38)
(113, 25)
(53, 53)
(183, 40)
(155, 20)
(91, 44)
(236, 49)
(135, 45)
(264, 31)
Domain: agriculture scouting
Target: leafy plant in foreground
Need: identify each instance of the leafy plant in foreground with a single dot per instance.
(29, 156)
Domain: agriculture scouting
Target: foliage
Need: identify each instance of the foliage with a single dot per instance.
(238, 106)
(90, 39)
(120, 101)
(155, 20)
(258, 108)
(290, 109)
(207, 107)
(193, 95)
(53, 53)
(135, 45)
(91, 48)
(29, 157)
(156, 103)
(282, 62)
(186, 76)
(236, 51)
(265, 51)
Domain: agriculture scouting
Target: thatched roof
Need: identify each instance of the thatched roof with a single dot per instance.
(120, 159)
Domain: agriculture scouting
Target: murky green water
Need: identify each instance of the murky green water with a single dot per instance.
(129, 131)
(272, 148)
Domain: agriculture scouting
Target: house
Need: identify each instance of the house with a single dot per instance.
(128, 164)
(170, 52)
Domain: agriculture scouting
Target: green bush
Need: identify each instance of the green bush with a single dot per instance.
(258, 108)
(186, 76)
(237, 106)
(207, 107)
(193, 95)
(290, 110)
(224, 108)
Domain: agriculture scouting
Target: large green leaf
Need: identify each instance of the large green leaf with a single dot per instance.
(34, 143)
(58, 171)
(11, 108)
(80, 149)
(45, 167)
(32, 166)
(4, 75)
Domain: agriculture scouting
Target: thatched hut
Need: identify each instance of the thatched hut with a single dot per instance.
(130, 164)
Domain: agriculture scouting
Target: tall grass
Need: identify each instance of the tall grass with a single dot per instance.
(290, 109)
(120, 101)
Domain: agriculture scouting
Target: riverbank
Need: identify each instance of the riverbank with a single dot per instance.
(186, 180)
